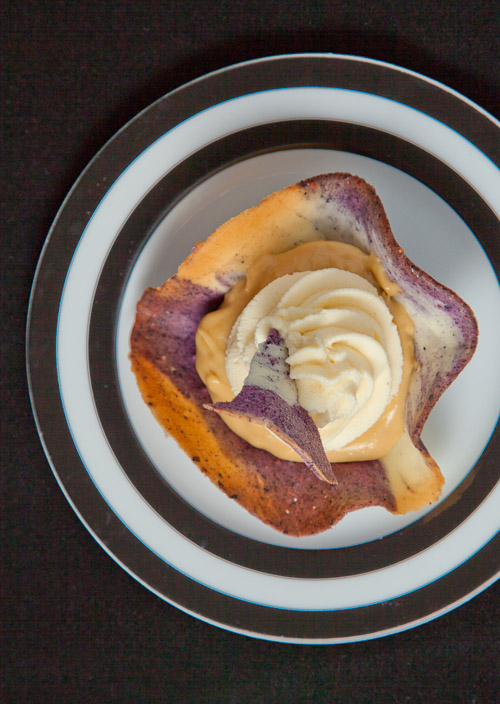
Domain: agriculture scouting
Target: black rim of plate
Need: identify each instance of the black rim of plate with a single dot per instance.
(290, 562)
(308, 70)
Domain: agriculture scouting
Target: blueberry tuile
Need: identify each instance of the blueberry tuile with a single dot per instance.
(265, 399)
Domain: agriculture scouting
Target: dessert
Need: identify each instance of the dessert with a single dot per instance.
(371, 343)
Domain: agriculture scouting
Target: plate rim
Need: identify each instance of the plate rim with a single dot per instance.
(115, 272)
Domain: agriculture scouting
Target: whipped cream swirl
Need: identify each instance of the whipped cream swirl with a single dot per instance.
(344, 348)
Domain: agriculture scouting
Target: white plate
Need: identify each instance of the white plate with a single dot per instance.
(182, 167)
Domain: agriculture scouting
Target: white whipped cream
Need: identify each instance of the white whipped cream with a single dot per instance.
(344, 348)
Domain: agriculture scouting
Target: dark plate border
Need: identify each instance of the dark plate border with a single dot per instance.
(291, 134)
(276, 72)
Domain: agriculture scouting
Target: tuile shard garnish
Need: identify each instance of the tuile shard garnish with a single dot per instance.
(269, 397)
(284, 494)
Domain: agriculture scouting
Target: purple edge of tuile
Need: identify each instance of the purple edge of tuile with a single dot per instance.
(291, 423)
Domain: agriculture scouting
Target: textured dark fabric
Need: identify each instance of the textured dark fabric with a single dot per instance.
(75, 626)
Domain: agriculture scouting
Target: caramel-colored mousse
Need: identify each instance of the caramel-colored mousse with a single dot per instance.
(215, 328)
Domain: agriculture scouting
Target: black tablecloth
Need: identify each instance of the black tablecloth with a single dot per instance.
(75, 626)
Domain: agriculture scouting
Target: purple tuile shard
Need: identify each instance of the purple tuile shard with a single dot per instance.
(269, 398)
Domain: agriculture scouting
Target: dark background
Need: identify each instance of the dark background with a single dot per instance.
(75, 626)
